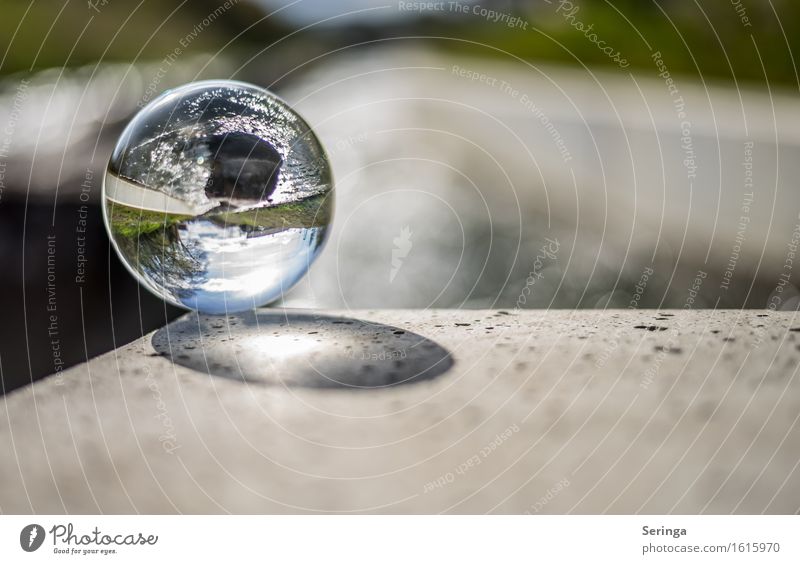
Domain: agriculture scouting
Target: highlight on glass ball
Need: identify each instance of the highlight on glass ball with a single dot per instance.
(218, 196)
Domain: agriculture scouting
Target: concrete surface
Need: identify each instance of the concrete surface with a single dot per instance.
(471, 411)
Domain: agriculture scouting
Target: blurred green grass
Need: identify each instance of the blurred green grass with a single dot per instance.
(705, 39)
(37, 35)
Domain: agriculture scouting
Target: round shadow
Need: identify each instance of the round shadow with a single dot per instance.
(301, 349)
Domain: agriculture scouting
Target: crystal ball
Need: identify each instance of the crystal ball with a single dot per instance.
(218, 196)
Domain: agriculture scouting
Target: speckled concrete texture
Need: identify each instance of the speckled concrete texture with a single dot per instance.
(419, 411)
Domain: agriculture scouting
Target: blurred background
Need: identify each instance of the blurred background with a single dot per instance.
(493, 154)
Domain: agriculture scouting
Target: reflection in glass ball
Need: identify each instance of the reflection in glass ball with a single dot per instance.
(218, 196)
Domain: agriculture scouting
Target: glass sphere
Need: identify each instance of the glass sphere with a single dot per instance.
(218, 196)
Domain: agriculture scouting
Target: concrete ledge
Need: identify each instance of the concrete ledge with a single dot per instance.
(465, 411)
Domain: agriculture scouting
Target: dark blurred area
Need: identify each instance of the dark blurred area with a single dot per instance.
(50, 322)
(72, 74)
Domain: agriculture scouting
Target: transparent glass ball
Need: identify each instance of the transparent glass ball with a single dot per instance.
(218, 196)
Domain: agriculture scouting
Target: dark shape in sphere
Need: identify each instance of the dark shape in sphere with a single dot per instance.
(244, 166)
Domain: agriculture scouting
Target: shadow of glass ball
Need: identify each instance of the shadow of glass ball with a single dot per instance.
(301, 349)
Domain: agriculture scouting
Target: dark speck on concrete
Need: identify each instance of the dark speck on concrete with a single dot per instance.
(673, 350)
(795, 329)
(650, 327)
(728, 339)
(462, 324)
